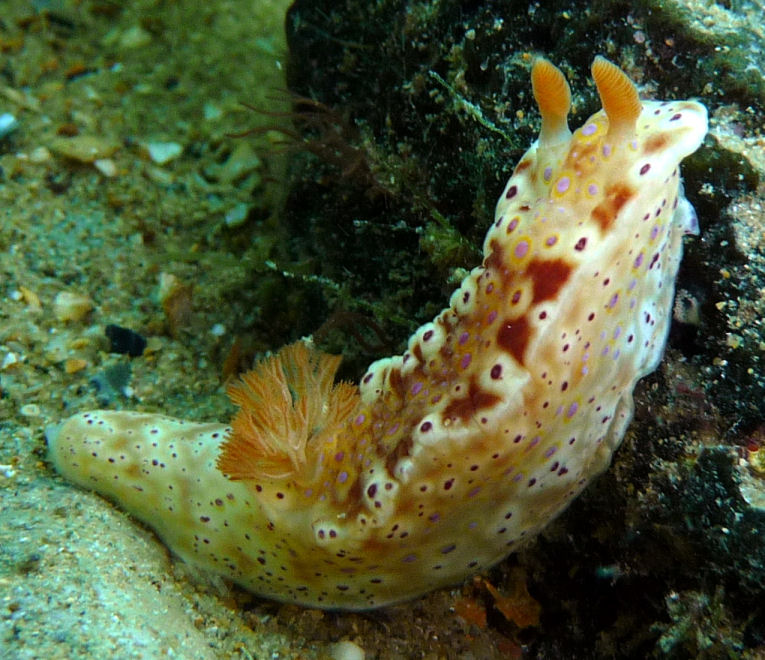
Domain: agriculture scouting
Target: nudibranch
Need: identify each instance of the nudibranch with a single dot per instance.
(500, 411)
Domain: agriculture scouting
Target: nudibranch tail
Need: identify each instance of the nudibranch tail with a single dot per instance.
(501, 410)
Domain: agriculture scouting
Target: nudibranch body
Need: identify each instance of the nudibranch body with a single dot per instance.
(498, 414)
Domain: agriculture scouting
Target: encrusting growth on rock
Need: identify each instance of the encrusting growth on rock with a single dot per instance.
(498, 414)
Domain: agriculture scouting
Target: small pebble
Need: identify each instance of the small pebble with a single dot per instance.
(9, 360)
(83, 148)
(30, 298)
(106, 166)
(347, 650)
(163, 152)
(125, 341)
(69, 306)
(40, 155)
(135, 37)
(242, 162)
(112, 382)
(30, 410)
(211, 111)
(73, 365)
(7, 471)
(8, 124)
(236, 216)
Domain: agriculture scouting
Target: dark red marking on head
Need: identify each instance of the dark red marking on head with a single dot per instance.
(616, 197)
(548, 276)
(655, 142)
(523, 165)
(513, 337)
(396, 382)
(496, 258)
(467, 406)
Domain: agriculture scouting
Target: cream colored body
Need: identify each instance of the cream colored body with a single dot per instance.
(499, 413)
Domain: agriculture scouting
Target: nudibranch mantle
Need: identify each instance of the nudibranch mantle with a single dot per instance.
(498, 414)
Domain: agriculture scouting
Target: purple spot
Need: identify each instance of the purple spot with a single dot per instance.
(360, 419)
(550, 452)
(474, 492)
(617, 332)
(551, 240)
(613, 301)
(491, 317)
(563, 184)
(644, 169)
(511, 192)
(434, 517)
(490, 287)
(654, 232)
(638, 260)
(589, 129)
(463, 338)
(416, 388)
(521, 249)
(465, 361)
(592, 189)
(409, 558)
(339, 456)
(342, 477)
(447, 549)
(572, 410)
(513, 224)
(534, 441)
(606, 150)
(547, 174)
